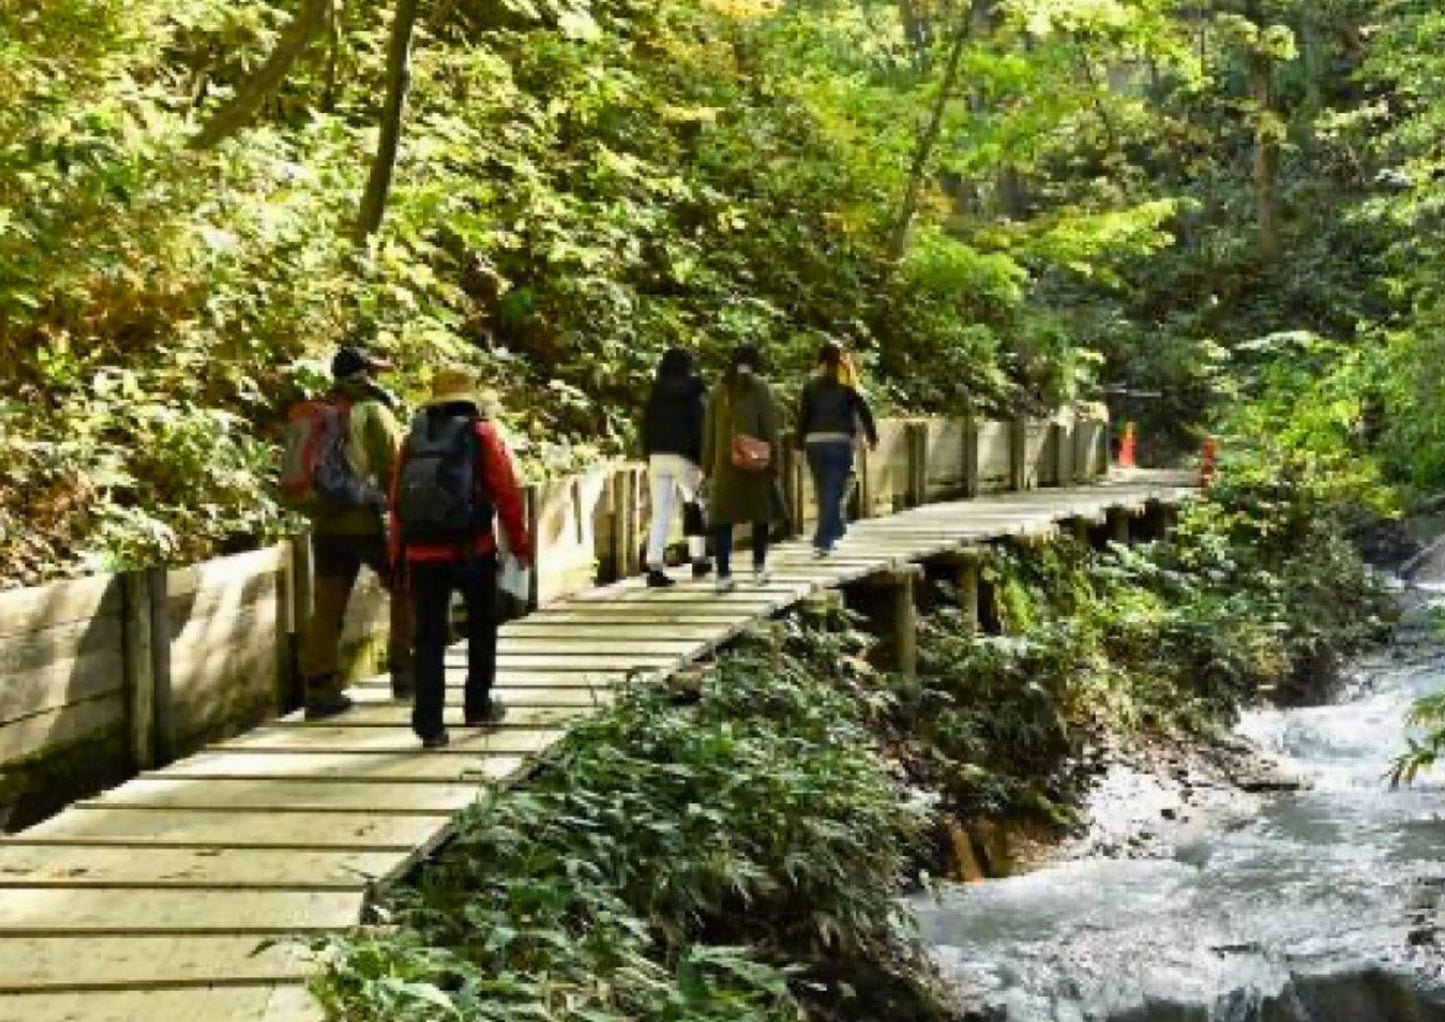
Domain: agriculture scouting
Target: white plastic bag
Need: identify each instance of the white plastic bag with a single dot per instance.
(513, 577)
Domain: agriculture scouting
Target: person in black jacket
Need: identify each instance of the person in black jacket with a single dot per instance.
(830, 413)
(672, 440)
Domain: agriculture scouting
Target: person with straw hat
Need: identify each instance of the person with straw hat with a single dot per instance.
(454, 479)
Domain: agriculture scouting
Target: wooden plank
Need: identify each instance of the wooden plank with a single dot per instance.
(261, 868)
(545, 628)
(61, 726)
(333, 738)
(26, 691)
(567, 644)
(23, 611)
(378, 689)
(350, 766)
(288, 796)
(223, 1002)
(37, 912)
(628, 613)
(636, 662)
(743, 598)
(54, 964)
(518, 700)
(222, 828)
(228, 575)
(225, 627)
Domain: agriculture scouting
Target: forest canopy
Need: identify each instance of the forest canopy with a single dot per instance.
(1001, 205)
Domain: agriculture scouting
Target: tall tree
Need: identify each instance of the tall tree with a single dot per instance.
(398, 84)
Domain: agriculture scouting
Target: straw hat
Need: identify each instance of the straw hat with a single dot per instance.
(451, 384)
(458, 384)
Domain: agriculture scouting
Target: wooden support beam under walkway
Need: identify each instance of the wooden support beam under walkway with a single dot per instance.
(149, 902)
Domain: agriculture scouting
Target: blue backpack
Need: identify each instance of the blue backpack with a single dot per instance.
(441, 496)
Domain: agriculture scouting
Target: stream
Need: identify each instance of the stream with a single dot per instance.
(1315, 905)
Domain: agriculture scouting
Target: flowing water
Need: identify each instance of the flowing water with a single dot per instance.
(1318, 905)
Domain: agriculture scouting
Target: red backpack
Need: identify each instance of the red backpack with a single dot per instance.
(315, 470)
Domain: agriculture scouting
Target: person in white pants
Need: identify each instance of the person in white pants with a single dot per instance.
(671, 476)
(672, 440)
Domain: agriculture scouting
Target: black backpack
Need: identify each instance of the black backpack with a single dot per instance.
(440, 497)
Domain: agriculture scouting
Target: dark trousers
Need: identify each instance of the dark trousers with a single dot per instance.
(831, 463)
(337, 562)
(722, 538)
(432, 587)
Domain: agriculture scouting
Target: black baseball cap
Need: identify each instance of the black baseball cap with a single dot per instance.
(351, 360)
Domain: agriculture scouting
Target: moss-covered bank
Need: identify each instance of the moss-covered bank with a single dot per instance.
(738, 853)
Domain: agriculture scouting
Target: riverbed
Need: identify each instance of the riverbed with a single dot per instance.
(1321, 904)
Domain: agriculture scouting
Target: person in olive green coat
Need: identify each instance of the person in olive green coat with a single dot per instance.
(742, 403)
(346, 539)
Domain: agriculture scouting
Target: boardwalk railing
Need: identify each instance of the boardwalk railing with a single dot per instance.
(106, 676)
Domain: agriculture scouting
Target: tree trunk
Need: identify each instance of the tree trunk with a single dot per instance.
(1260, 69)
(241, 108)
(1266, 158)
(898, 237)
(398, 83)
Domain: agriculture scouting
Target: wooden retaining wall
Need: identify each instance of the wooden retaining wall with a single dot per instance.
(105, 676)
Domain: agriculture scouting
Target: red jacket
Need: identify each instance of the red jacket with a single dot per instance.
(500, 480)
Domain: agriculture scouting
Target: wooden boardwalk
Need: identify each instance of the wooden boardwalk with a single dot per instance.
(148, 903)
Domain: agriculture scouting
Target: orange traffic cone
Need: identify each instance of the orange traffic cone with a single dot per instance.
(1207, 467)
(1126, 447)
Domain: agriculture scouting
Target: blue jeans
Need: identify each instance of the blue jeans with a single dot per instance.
(831, 463)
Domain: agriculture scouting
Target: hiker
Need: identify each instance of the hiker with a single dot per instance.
(454, 479)
(348, 524)
(740, 459)
(672, 441)
(830, 414)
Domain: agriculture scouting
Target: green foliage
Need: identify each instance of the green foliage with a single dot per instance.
(581, 185)
(1257, 590)
(708, 862)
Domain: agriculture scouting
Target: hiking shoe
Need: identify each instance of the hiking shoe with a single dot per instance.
(403, 684)
(702, 568)
(440, 740)
(821, 553)
(762, 576)
(724, 584)
(658, 579)
(494, 713)
(328, 706)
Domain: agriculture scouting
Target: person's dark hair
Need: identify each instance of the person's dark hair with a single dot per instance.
(830, 354)
(676, 364)
(745, 355)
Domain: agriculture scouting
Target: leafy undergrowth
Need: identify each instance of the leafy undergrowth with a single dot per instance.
(734, 859)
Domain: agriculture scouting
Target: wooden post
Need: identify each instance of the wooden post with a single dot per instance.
(969, 576)
(140, 685)
(1063, 455)
(303, 588)
(530, 508)
(633, 490)
(1118, 525)
(286, 626)
(865, 489)
(905, 625)
(917, 435)
(163, 713)
(1081, 531)
(971, 484)
(1018, 449)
